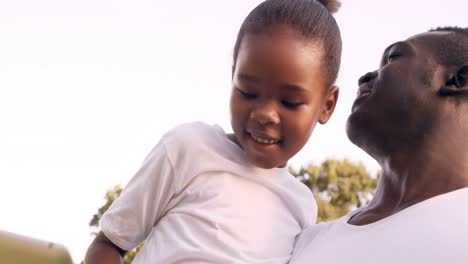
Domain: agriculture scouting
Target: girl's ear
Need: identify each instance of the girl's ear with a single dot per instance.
(329, 105)
(456, 83)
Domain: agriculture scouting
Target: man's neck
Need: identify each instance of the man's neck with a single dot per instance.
(410, 177)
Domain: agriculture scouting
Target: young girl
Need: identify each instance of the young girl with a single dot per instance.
(203, 196)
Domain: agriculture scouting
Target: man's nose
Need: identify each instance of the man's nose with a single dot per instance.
(367, 77)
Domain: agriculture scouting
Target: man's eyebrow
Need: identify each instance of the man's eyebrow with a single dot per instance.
(404, 44)
(389, 48)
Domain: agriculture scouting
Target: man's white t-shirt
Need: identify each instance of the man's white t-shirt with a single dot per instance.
(196, 199)
(434, 231)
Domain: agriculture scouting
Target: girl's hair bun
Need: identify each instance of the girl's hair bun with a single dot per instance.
(331, 5)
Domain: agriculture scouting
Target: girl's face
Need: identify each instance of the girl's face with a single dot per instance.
(279, 92)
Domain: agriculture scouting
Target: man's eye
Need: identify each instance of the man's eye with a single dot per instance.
(246, 94)
(393, 56)
(289, 104)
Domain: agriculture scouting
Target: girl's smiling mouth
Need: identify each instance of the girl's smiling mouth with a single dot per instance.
(261, 137)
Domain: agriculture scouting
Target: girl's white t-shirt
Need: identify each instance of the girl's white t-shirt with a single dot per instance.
(196, 199)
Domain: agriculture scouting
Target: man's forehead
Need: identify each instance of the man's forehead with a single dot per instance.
(422, 38)
(446, 46)
(431, 39)
(431, 34)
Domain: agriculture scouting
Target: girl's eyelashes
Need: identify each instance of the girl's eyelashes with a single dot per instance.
(285, 103)
(246, 95)
(289, 104)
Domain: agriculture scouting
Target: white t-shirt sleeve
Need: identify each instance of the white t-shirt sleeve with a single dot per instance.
(142, 203)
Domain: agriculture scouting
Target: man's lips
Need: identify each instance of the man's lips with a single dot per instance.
(363, 91)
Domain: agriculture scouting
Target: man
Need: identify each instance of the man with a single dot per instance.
(411, 115)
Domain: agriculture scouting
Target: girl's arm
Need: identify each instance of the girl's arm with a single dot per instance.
(103, 251)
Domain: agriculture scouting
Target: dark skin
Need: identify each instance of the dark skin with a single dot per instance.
(411, 116)
(102, 250)
(280, 92)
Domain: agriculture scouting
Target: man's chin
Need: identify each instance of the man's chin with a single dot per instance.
(352, 128)
(358, 132)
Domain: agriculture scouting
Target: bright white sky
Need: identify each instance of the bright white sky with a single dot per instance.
(88, 87)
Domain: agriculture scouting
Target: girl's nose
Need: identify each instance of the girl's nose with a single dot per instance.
(265, 114)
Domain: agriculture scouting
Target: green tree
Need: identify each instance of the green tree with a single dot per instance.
(338, 186)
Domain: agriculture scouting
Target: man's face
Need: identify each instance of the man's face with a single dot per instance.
(399, 103)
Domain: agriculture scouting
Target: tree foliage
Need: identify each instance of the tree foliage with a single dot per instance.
(339, 186)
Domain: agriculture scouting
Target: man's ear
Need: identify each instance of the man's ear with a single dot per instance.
(329, 105)
(457, 83)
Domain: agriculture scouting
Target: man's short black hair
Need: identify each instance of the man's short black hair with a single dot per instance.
(454, 50)
(459, 30)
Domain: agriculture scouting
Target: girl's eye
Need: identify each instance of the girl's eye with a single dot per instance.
(393, 56)
(246, 94)
(291, 104)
